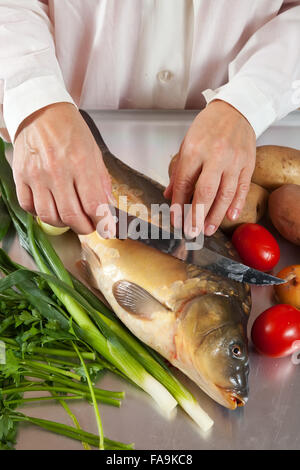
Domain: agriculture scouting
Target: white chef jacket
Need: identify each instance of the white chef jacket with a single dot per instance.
(111, 54)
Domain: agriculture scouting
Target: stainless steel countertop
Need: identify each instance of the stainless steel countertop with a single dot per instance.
(271, 418)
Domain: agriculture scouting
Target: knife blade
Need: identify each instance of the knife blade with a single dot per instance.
(189, 251)
(170, 243)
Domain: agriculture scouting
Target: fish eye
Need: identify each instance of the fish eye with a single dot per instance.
(236, 350)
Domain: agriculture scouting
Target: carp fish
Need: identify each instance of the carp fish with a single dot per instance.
(195, 319)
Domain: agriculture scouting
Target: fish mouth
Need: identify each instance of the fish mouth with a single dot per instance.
(233, 398)
(238, 399)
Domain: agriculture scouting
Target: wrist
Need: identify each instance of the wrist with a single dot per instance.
(42, 113)
(225, 107)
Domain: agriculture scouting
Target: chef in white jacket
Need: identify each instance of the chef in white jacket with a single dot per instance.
(237, 60)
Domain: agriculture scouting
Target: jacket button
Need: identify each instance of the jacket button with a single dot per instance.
(165, 76)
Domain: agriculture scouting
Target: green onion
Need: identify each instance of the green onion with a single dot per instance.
(183, 396)
(110, 348)
(96, 409)
(68, 431)
(5, 220)
(85, 445)
(34, 399)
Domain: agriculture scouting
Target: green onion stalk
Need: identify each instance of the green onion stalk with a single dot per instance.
(68, 431)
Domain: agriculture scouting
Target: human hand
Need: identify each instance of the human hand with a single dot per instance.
(214, 167)
(58, 169)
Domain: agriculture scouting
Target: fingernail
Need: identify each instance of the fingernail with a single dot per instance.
(233, 214)
(193, 232)
(210, 230)
(190, 231)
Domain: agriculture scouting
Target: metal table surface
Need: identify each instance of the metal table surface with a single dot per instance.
(271, 419)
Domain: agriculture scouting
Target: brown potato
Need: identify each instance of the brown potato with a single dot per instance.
(276, 166)
(289, 293)
(254, 209)
(284, 211)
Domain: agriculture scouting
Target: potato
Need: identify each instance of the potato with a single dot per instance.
(289, 293)
(254, 208)
(284, 211)
(276, 166)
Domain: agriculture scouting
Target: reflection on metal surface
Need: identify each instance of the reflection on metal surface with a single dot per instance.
(296, 353)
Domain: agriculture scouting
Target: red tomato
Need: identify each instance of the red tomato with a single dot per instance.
(256, 246)
(275, 331)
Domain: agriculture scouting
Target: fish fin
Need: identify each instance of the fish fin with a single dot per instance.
(86, 273)
(136, 300)
(89, 261)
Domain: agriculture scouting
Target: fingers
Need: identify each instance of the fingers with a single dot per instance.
(168, 192)
(77, 212)
(183, 184)
(25, 197)
(65, 204)
(172, 173)
(95, 200)
(45, 207)
(217, 194)
(204, 196)
(239, 199)
(217, 149)
(105, 179)
(169, 189)
(222, 202)
(59, 170)
(70, 210)
(94, 191)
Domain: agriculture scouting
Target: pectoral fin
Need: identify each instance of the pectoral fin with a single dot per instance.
(89, 263)
(136, 300)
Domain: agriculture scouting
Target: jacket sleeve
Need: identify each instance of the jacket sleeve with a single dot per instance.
(30, 76)
(264, 78)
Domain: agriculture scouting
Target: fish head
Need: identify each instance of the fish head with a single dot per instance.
(213, 344)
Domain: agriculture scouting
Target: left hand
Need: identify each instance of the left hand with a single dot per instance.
(214, 167)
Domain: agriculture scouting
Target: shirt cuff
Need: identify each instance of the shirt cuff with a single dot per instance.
(30, 96)
(243, 94)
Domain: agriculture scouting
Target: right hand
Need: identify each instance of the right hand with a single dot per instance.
(58, 169)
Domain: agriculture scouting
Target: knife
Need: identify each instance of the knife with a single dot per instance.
(190, 251)
(172, 242)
